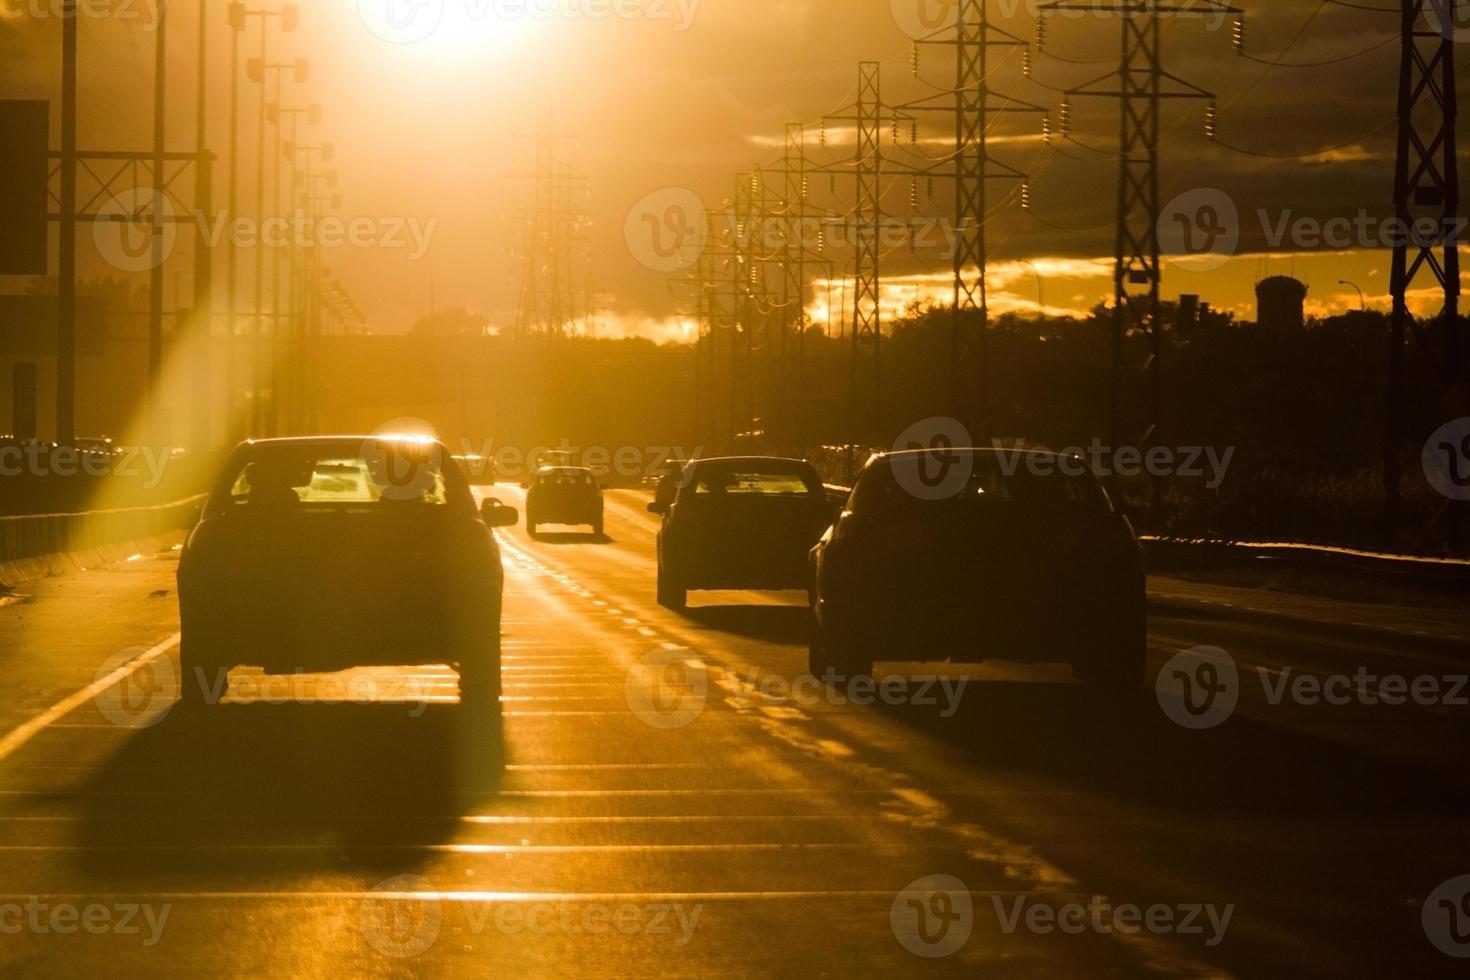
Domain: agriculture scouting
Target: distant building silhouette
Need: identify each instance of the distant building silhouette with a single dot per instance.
(1281, 303)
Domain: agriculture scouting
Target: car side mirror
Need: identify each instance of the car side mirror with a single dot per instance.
(659, 508)
(496, 514)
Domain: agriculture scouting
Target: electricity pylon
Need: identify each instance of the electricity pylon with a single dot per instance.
(1426, 186)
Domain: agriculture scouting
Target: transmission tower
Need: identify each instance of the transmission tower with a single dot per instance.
(1426, 185)
(1135, 402)
(971, 103)
(550, 239)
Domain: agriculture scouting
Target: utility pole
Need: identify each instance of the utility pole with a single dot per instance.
(203, 340)
(66, 290)
(1136, 394)
(789, 428)
(971, 103)
(1426, 186)
(153, 399)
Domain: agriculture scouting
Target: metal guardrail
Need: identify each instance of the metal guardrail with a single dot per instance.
(36, 535)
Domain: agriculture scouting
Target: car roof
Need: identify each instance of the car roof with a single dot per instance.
(729, 461)
(564, 469)
(976, 451)
(308, 441)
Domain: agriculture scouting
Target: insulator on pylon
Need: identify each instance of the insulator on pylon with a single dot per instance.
(1026, 196)
(895, 132)
(806, 184)
(1239, 35)
(1046, 129)
(929, 190)
(916, 58)
(1212, 117)
(824, 132)
(914, 192)
(755, 183)
(1040, 33)
(822, 240)
(1065, 126)
(914, 132)
(1026, 63)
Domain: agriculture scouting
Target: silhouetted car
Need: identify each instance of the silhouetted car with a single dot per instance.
(970, 554)
(738, 523)
(564, 495)
(322, 554)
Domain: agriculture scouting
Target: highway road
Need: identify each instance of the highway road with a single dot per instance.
(667, 795)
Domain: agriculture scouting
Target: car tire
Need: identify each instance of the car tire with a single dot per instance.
(1119, 668)
(597, 527)
(479, 679)
(671, 592)
(201, 685)
(826, 657)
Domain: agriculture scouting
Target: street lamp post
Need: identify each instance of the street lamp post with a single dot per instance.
(1362, 304)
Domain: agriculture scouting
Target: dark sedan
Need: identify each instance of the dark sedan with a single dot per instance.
(564, 495)
(327, 553)
(738, 523)
(965, 555)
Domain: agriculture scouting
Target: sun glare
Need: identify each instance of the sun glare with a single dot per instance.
(450, 32)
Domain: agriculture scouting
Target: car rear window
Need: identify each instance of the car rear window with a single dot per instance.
(565, 479)
(938, 483)
(333, 478)
(751, 482)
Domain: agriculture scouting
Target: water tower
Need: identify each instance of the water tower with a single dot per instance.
(1281, 303)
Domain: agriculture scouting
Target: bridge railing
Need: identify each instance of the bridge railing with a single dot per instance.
(37, 535)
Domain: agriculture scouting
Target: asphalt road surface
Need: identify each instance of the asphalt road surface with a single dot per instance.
(666, 795)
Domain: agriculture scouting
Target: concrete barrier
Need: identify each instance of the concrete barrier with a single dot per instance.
(36, 545)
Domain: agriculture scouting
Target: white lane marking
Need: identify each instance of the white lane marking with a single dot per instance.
(18, 738)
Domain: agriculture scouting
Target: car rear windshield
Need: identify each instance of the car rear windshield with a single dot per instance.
(939, 481)
(378, 475)
(753, 481)
(565, 478)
